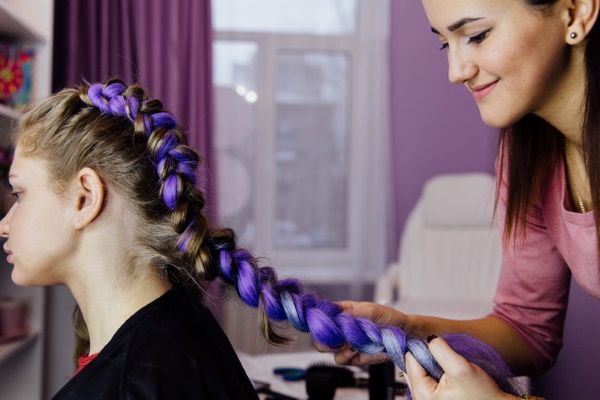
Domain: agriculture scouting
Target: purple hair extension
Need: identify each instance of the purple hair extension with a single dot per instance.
(174, 162)
(285, 300)
(329, 326)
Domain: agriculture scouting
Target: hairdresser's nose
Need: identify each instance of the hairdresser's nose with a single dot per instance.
(460, 67)
(5, 222)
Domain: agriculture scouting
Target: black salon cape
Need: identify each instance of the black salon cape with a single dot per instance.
(173, 349)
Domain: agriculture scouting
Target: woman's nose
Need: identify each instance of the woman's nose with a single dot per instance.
(460, 68)
(4, 223)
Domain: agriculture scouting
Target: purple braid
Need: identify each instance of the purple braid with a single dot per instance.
(175, 162)
(329, 326)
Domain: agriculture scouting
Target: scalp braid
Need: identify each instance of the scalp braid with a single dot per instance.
(214, 253)
(174, 160)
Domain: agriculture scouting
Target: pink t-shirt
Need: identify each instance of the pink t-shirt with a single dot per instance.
(534, 282)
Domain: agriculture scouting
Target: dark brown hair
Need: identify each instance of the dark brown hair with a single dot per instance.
(531, 149)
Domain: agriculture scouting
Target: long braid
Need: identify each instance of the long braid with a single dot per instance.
(286, 300)
(215, 253)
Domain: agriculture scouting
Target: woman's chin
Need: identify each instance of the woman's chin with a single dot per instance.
(499, 118)
(20, 280)
(495, 121)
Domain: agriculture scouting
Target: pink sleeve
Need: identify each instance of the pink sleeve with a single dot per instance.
(533, 288)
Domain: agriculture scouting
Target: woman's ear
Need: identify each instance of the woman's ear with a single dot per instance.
(89, 196)
(582, 17)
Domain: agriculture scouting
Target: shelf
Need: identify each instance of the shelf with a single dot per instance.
(9, 112)
(13, 26)
(27, 23)
(9, 349)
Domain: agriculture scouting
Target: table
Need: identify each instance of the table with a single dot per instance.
(260, 368)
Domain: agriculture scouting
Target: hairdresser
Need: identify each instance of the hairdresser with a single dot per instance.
(533, 68)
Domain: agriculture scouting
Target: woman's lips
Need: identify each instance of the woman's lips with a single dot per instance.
(8, 254)
(479, 92)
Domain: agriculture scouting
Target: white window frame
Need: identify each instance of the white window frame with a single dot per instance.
(368, 127)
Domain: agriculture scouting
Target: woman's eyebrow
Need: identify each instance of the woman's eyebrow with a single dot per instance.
(457, 25)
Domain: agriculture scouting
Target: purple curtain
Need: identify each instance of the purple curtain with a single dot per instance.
(163, 45)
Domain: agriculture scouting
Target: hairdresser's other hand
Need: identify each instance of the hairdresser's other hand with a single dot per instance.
(381, 315)
(461, 379)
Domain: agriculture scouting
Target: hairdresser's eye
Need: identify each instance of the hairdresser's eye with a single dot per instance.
(477, 39)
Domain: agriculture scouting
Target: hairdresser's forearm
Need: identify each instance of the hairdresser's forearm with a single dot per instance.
(491, 330)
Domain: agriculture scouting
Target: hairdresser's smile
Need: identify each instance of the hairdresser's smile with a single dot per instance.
(512, 61)
(480, 91)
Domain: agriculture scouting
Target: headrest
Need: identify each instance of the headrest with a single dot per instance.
(463, 200)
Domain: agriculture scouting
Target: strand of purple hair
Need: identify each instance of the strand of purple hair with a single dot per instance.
(285, 300)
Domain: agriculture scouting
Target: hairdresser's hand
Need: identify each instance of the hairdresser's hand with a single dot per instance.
(461, 379)
(381, 315)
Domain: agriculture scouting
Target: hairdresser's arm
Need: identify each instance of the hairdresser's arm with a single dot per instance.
(461, 379)
(491, 330)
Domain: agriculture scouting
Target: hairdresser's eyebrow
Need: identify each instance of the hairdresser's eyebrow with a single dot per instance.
(457, 25)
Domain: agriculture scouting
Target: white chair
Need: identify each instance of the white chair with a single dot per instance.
(450, 251)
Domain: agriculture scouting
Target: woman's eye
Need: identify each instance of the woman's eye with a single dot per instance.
(444, 46)
(15, 195)
(477, 39)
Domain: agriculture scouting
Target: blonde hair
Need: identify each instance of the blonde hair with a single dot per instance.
(139, 151)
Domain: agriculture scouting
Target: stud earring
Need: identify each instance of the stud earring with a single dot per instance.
(573, 35)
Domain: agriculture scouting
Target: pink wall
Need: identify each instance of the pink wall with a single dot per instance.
(436, 124)
(437, 129)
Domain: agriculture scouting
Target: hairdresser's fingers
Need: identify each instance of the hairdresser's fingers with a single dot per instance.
(322, 349)
(421, 385)
(451, 362)
(462, 378)
(349, 356)
(380, 314)
(356, 309)
(345, 355)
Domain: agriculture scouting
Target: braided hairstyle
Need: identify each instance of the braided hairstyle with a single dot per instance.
(137, 147)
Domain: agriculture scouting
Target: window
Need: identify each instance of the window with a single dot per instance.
(312, 17)
(301, 132)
